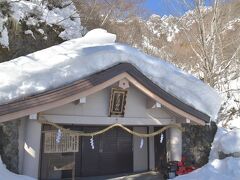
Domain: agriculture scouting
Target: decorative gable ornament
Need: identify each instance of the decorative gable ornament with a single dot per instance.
(124, 84)
(117, 102)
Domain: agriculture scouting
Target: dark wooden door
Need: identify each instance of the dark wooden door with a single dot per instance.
(160, 151)
(112, 153)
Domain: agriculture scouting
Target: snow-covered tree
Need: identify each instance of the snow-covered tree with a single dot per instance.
(217, 55)
(28, 26)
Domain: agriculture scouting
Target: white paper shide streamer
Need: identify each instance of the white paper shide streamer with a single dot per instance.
(92, 142)
(141, 143)
(59, 136)
(161, 138)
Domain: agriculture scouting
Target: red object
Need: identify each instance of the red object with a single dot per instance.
(182, 169)
(180, 164)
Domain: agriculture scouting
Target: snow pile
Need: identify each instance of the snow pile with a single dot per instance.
(226, 141)
(7, 175)
(230, 142)
(36, 12)
(78, 58)
(214, 154)
(226, 169)
(98, 36)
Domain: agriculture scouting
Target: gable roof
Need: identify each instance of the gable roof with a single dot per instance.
(77, 59)
(74, 91)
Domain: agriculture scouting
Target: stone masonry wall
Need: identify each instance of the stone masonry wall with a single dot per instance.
(196, 143)
(9, 144)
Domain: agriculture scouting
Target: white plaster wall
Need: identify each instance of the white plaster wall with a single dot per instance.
(140, 156)
(96, 106)
(175, 144)
(95, 111)
(32, 148)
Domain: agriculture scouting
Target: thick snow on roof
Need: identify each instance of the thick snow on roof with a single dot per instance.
(77, 58)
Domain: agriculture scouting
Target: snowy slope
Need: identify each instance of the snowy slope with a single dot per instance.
(7, 175)
(75, 59)
(166, 25)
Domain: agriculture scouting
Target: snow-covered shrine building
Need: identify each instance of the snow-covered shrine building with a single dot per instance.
(88, 84)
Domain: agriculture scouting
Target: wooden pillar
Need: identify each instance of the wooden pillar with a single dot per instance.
(32, 148)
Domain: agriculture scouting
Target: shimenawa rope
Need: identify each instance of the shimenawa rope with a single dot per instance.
(44, 121)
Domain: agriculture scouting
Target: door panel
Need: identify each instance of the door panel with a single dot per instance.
(112, 154)
(90, 157)
(160, 150)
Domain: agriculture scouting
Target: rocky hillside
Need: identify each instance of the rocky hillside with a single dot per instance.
(171, 37)
(28, 26)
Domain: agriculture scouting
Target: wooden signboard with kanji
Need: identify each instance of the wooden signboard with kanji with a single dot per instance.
(68, 143)
(117, 102)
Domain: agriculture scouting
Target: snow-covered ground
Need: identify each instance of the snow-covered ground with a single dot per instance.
(226, 169)
(7, 175)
